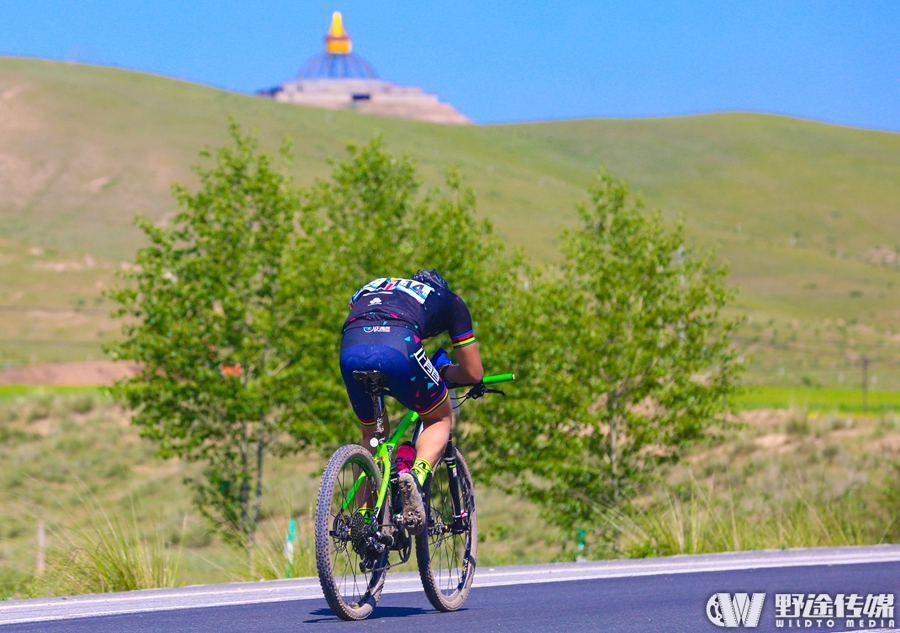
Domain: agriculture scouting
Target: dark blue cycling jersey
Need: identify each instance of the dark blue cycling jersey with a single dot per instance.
(428, 310)
(388, 319)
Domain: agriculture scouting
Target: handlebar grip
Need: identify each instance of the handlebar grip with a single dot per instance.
(487, 380)
(492, 380)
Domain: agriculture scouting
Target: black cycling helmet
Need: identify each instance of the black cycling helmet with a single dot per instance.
(432, 278)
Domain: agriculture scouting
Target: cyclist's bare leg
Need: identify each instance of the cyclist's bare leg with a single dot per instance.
(364, 494)
(430, 447)
(368, 432)
(433, 439)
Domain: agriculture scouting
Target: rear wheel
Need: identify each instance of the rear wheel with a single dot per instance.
(446, 549)
(351, 573)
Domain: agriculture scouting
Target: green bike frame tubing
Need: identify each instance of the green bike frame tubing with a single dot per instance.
(381, 455)
(350, 495)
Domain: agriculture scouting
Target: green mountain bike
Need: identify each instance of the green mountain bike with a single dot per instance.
(359, 527)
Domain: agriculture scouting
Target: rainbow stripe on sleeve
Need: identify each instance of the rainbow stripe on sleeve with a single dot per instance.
(463, 340)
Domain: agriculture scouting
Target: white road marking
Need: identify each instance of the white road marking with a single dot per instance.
(206, 596)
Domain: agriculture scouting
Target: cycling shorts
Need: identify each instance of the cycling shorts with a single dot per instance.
(396, 351)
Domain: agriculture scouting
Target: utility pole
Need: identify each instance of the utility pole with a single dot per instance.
(865, 382)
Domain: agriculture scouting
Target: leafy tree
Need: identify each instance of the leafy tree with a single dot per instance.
(370, 217)
(207, 304)
(235, 309)
(365, 212)
(624, 360)
(369, 220)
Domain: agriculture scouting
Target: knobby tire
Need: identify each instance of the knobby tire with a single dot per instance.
(351, 593)
(447, 561)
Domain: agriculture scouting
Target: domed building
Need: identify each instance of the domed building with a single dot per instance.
(338, 79)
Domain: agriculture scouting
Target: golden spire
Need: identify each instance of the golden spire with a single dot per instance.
(337, 42)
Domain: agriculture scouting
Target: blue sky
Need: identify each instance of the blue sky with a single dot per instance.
(512, 61)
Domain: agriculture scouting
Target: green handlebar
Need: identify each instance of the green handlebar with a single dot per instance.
(491, 380)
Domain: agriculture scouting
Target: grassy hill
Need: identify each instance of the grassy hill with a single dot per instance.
(808, 214)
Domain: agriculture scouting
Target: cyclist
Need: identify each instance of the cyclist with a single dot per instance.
(389, 317)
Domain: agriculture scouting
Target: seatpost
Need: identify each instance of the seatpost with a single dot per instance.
(374, 386)
(380, 418)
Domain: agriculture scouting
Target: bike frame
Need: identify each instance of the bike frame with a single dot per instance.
(386, 447)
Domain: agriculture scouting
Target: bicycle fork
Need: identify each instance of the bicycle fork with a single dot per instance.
(460, 515)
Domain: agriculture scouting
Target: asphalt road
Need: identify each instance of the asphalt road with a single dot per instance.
(666, 602)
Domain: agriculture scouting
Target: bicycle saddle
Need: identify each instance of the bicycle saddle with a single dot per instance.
(372, 378)
(374, 374)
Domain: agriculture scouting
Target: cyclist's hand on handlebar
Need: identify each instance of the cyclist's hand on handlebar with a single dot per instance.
(480, 389)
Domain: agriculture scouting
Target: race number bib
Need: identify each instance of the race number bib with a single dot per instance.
(415, 289)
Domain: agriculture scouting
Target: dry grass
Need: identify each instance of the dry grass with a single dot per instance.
(120, 553)
(787, 479)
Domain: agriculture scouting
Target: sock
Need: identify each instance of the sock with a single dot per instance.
(420, 470)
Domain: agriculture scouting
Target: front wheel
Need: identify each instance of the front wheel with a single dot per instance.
(350, 571)
(446, 549)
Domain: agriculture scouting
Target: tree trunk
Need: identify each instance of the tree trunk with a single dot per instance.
(613, 445)
(245, 481)
(257, 502)
(614, 455)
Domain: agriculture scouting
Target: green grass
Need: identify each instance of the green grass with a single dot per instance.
(783, 479)
(823, 399)
(96, 484)
(120, 553)
(798, 208)
(704, 520)
(795, 478)
(11, 392)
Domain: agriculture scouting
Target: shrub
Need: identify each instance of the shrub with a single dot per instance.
(110, 554)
